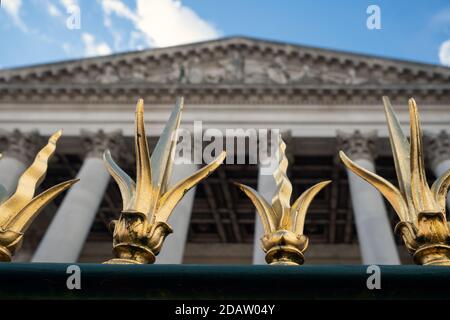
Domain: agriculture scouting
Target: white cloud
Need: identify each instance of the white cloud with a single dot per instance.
(137, 41)
(168, 23)
(93, 48)
(53, 10)
(444, 53)
(119, 8)
(441, 18)
(67, 4)
(67, 48)
(160, 23)
(12, 8)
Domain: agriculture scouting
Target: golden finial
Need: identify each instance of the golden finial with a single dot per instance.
(147, 204)
(19, 211)
(283, 241)
(423, 225)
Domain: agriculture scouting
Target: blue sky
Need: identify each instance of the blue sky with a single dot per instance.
(40, 31)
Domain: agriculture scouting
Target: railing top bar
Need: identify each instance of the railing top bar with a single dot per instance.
(100, 281)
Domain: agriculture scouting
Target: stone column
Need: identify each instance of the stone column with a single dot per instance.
(266, 187)
(172, 251)
(19, 149)
(437, 152)
(375, 236)
(68, 230)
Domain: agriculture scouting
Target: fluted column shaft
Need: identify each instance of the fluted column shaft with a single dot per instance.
(172, 251)
(266, 187)
(375, 235)
(68, 230)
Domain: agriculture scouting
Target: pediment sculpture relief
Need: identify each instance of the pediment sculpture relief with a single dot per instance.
(229, 70)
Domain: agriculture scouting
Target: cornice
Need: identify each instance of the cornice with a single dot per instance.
(217, 94)
(236, 70)
(248, 47)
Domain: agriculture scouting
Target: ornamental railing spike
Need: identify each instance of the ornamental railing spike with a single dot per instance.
(142, 227)
(18, 211)
(421, 209)
(283, 242)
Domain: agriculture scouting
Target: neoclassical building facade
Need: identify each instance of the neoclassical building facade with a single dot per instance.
(322, 101)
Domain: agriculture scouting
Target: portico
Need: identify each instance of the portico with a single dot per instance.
(239, 83)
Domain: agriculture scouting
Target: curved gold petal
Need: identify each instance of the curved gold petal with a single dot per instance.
(29, 181)
(265, 211)
(144, 188)
(401, 153)
(161, 159)
(282, 197)
(171, 198)
(421, 194)
(408, 231)
(387, 189)
(301, 205)
(126, 185)
(440, 190)
(25, 217)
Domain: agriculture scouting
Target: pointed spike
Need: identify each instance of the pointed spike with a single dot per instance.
(400, 151)
(421, 194)
(281, 199)
(55, 137)
(170, 199)
(161, 160)
(144, 189)
(265, 211)
(440, 190)
(389, 191)
(25, 217)
(126, 185)
(301, 205)
(140, 105)
(29, 181)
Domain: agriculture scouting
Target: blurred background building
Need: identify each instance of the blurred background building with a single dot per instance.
(322, 100)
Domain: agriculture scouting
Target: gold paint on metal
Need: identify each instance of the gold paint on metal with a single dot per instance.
(421, 209)
(283, 242)
(18, 212)
(139, 233)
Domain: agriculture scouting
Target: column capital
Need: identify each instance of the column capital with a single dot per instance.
(20, 145)
(358, 145)
(437, 147)
(95, 143)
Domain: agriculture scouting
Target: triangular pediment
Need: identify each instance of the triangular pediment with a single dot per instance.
(229, 62)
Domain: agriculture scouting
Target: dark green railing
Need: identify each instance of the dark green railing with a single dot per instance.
(48, 281)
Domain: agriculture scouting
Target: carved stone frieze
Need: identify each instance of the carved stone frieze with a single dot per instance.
(231, 60)
(235, 68)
